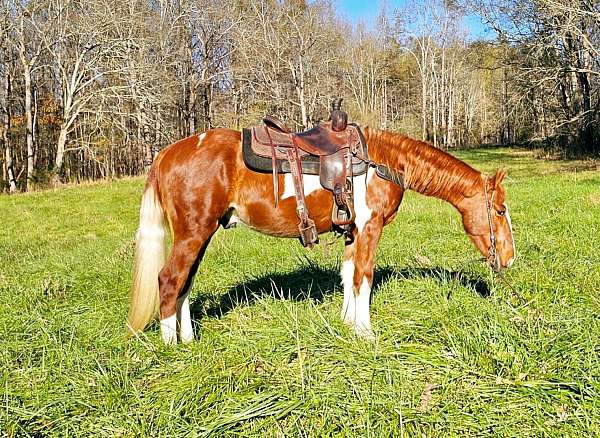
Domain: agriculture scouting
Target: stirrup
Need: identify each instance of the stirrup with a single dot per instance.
(343, 208)
(308, 233)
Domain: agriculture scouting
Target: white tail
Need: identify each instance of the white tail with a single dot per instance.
(149, 260)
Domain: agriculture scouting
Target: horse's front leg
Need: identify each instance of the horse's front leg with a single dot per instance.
(357, 277)
(349, 304)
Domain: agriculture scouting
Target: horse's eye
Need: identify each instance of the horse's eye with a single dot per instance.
(501, 212)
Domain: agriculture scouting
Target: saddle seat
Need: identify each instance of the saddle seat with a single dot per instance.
(320, 140)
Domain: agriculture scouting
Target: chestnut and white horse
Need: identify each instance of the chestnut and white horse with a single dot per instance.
(201, 183)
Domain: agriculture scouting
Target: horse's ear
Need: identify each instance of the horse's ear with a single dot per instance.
(500, 174)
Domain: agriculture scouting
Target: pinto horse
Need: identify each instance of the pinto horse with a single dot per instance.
(201, 183)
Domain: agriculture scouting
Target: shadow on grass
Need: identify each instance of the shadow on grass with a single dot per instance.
(311, 282)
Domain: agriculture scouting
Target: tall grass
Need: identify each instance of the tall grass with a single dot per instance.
(457, 352)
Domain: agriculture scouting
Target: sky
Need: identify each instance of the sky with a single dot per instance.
(367, 11)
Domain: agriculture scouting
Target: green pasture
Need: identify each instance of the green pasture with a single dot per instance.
(457, 351)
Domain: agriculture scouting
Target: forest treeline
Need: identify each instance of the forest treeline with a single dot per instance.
(94, 89)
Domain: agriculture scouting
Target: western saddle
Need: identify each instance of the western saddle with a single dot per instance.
(334, 150)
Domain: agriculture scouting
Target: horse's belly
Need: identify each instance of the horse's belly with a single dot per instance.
(254, 204)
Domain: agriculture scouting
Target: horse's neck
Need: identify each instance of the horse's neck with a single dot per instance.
(428, 170)
(429, 177)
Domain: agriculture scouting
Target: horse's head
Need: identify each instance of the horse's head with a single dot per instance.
(487, 222)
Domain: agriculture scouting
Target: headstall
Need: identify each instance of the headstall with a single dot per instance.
(489, 202)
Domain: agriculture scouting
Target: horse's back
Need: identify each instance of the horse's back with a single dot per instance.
(195, 159)
(198, 148)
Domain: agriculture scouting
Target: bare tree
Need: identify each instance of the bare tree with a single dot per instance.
(79, 44)
(557, 61)
(5, 69)
(430, 33)
(27, 23)
(366, 72)
(289, 56)
(208, 52)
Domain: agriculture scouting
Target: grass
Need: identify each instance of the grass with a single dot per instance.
(457, 351)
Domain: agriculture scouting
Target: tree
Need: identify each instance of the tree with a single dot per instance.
(556, 55)
(27, 23)
(5, 70)
(79, 44)
(289, 58)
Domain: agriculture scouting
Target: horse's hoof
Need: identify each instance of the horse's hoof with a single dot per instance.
(365, 333)
(347, 320)
(186, 338)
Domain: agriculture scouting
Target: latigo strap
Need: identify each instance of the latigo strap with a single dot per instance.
(307, 227)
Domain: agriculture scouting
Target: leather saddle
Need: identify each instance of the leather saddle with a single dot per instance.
(334, 150)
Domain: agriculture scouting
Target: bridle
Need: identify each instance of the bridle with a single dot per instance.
(492, 259)
(398, 178)
(489, 202)
(492, 252)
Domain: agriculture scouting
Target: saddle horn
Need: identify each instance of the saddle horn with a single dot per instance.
(339, 118)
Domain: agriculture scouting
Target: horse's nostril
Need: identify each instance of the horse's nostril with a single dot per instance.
(510, 262)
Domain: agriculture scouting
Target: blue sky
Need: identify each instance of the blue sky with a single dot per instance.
(367, 10)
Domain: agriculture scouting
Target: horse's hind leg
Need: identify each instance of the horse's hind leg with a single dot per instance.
(175, 280)
(184, 317)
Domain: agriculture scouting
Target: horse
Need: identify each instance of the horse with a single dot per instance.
(201, 183)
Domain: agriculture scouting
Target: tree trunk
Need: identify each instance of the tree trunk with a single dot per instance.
(143, 139)
(206, 97)
(301, 95)
(29, 121)
(34, 123)
(506, 125)
(586, 133)
(60, 153)
(10, 172)
(423, 105)
(191, 111)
